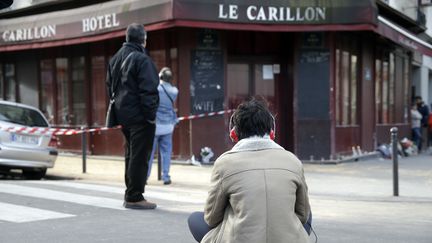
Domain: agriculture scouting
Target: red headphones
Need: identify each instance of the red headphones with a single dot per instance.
(234, 137)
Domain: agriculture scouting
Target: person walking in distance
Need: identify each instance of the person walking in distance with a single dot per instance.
(166, 119)
(416, 126)
(424, 111)
(133, 76)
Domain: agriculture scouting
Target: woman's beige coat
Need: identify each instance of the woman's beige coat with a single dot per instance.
(258, 194)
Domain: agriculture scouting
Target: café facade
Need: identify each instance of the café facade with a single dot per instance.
(335, 73)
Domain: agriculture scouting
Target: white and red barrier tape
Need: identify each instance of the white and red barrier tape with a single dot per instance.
(191, 117)
(68, 131)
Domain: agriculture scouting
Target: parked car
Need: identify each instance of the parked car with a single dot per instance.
(32, 153)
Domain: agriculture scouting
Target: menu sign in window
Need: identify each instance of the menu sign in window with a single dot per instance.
(207, 81)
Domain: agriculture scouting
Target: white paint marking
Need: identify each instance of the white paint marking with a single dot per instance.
(22, 214)
(62, 196)
(169, 194)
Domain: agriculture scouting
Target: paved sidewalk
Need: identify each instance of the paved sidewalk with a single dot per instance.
(351, 202)
(111, 169)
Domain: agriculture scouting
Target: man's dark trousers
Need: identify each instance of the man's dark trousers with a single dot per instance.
(139, 143)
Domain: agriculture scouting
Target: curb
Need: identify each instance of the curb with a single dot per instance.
(117, 158)
(355, 158)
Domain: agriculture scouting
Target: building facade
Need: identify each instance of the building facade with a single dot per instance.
(336, 74)
(419, 12)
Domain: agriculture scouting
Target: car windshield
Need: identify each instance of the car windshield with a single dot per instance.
(22, 116)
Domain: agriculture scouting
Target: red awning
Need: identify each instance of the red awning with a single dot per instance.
(402, 37)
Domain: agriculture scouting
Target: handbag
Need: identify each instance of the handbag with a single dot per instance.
(111, 118)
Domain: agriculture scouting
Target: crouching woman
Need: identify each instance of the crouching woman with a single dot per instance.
(258, 192)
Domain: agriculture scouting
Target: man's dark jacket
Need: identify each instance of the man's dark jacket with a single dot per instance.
(424, 111)
(137, 97)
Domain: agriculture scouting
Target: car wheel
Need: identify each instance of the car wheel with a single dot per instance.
(34, 174)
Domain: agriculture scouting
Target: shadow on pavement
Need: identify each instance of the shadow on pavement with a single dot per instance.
(15, 175)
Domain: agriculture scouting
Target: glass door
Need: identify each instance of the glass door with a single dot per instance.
(238, 86)
(250, 79)
(264, 83)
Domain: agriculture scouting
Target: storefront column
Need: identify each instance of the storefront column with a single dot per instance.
(367, 96)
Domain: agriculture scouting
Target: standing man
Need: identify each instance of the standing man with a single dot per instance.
(166, 119)
(133, 78)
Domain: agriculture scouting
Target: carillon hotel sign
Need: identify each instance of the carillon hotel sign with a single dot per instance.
(278, 12)
(88, 25)
(115, 15)
(25, 34)
(272, 14)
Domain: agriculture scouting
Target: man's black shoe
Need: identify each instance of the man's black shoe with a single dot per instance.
(144, 204)
(167, 182)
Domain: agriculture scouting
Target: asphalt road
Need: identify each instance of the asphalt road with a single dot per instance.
(351, 202)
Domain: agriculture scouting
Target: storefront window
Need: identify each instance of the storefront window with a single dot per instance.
(385, 89)
(238, 83)
(79, 115)
(406, 65)
(354, 86)
(346, 85)
(392, 90)
(345, 88)
(250, 79)
(62, 68)
(338, 91)
(99, 95)
(265, 83)
(47, 89)
(378, 81)
(10, 82)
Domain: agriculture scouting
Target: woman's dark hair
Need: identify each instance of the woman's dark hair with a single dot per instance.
(252, 118)
(165, 74)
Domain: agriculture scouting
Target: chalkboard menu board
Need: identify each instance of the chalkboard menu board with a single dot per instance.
(314, 83)
(207, 81)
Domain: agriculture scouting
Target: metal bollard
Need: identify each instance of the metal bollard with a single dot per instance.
(84, 150)
(394, 141)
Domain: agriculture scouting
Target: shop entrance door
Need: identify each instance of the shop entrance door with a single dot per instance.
(259, 78)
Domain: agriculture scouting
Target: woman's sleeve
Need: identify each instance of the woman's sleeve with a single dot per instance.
(216, 200)
(302, 206)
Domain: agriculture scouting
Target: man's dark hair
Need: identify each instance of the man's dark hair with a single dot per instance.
(135, 33)
(252, 118)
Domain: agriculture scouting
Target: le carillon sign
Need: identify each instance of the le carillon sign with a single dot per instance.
(116, 15)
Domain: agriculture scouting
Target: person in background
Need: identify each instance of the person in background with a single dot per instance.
(430, 130)
(424, 111)
(258, 191)
(133, 77)
(416, 126)
(166, 119)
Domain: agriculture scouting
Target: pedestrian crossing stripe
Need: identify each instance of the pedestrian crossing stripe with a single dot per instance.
(172, 194)
(23, 214)
(18, 214)
(61, 196)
